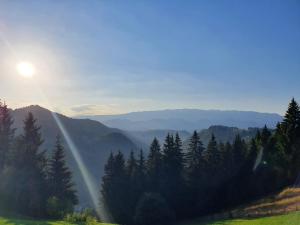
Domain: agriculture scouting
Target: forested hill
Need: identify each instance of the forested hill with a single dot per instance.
(222, 133)
(94, 141)
(227, 134)
(187, 119)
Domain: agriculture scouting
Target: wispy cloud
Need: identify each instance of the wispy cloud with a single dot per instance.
(93, 109)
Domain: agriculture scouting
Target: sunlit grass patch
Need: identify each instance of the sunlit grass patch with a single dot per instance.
(288, 219)
(12, 221)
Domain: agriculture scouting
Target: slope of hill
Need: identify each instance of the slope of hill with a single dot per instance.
(93, 140)
(187, 119)
(282, 208)
(288, 219)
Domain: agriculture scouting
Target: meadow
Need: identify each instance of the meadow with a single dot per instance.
(12, 221)
(288, 219)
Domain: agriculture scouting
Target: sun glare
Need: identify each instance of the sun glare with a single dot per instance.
(26, 69)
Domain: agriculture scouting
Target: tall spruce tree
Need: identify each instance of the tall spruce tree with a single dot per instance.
(212, 157)
(173, 162)
(141, 171)
(239, 151)
(61, 185)
(154, 166)
(30, 163)
(6, 134)
(194, 161)
(289, 138)
(115, 188)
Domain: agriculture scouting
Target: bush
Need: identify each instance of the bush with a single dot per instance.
(153, 209)
(57, 208)
(85, 217)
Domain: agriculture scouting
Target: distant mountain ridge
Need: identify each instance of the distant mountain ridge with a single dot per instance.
(187, 119)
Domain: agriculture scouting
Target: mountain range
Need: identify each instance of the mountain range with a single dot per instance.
(187, 119)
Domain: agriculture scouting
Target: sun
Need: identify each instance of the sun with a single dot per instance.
(26, 69)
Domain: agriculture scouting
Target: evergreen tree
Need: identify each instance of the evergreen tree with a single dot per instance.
(288, 135)
(239, 151)
(60, 181)
(131, 166)
(194, 175)
(195, 149)
(6, 134)
(115, 188)
(264, 136)
(194, 160)
(212, 157)
(173, 162)
(141, 177)
(291, 121)
(154, 166)
(30, 187)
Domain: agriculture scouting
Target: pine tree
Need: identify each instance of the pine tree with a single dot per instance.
(194, 155)
(60, 180)
(291, 121)
(30, 163)
(6, 143)
(131, 166)
(212, 156)
(115, 188)
(239, 151)
(173, 164)
(6, 134)
(264, 136)
(288, 134)
(141, 170)
(154, 166)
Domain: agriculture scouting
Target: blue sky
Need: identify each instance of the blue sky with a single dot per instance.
(103, 57)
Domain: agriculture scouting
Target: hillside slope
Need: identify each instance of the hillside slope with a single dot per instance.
(287, 219)
(93, 140)
(279, 209)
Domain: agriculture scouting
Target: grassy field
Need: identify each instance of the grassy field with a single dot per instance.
(280, 209)
(6, 221)
(288, 219)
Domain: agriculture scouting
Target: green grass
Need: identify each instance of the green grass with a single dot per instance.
(288, 219)
(8, 221)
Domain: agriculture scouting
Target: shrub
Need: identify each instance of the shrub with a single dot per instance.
(153, 209)
(57, 208)
(85, 217)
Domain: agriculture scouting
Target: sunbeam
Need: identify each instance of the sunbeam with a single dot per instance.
(27, 70)
(88, 179)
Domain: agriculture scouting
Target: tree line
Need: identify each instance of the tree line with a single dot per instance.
(32, 182)
(174, 183)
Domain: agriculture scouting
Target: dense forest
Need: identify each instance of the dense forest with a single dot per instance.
(32, 183)
(173, 184)
(168, 183)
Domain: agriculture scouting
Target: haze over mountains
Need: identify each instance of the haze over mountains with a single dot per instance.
(187, 119)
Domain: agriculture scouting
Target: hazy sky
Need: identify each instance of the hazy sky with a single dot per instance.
(102, 57)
